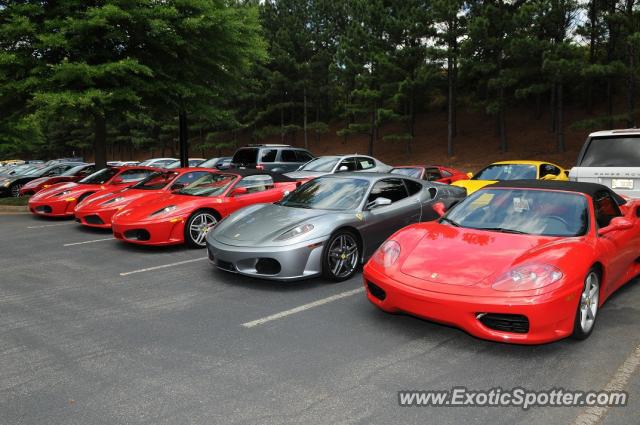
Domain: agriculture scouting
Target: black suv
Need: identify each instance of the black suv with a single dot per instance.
(274, 158)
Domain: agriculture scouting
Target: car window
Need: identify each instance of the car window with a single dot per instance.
(445, 173)
(129, 176)
(268, 155)
(365, 163)
(408, 171)
(245, 156)
(392, 189)
(413, 187)
(431, 174)
(256, 183)
(507, 172)
(350, 163)
(606, 209)
(288, 155)
(303, 156)
(612, 152)
(548, 169)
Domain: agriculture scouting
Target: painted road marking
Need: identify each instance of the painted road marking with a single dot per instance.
(594, 414)
(301, 308)
(50, 225)
(85, 242)
(164, 266)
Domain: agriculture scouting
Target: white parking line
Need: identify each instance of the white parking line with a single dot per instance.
(85, 242)
(304, 307)
(50, 225)
(593, 415)
(164, 266)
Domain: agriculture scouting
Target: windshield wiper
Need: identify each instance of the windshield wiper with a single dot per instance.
(503, 230)
(451, 222)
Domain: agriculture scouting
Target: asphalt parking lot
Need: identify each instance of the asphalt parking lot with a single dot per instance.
(97, 331)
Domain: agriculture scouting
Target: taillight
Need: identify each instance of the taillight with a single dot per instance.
(259, 167)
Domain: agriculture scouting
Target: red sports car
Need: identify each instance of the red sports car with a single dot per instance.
(186, 215)
(60, 199)
(436, 173)
(72, 175)
(98, 209)
(521, 261)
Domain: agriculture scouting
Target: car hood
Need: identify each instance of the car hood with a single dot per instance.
(305, 174)
(74, 189)
(465, 257)
(142, 207)
(261, 224)
(473, 185)
(97, 201)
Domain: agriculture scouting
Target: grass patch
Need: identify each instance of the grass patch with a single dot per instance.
(19, 202)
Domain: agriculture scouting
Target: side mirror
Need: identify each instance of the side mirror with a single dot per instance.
(239, 191)
(378, 202)
(469, 174)
(343, 168)
(617, 223)
(439, 208)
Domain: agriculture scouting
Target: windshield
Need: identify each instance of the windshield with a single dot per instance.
(156, 181)
(99, 177)
(210, 163)
(507, 172)
(73, 171)
(535, 212)
(406, 171)
(209, 185)
(323, 164)
(335, 194)
(612, 152)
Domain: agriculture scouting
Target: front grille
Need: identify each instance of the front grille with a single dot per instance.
(225, 265)
(44, 209)
(515, 323)
(93, 219)
(268, 266)
(376, 291)
(137, 235)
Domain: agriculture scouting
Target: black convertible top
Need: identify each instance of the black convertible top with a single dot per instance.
(587, 188)
(277, 178)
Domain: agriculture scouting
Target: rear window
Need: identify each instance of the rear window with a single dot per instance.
(612, 152)
(245, 156)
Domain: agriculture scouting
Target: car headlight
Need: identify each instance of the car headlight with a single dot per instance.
(111, 201)
(387, 254)
(527, 277)
(6, 183)
(164, 210)
(296, 231)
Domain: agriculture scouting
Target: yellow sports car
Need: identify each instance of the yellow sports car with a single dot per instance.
(513, 170)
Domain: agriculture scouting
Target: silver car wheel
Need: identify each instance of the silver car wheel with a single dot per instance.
(589, 302)
(15, 190)
(343, 255)
(200, 226)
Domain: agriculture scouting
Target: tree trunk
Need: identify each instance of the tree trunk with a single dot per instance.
(610, 102)
(282, 122)
(631, 95)
(184, 139)
(100, 141)
(454, 96)
(560, 124)
(306, 140)
(372, 132)
(552, 107)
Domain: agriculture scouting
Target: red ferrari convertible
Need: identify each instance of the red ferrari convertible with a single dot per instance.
(522, 261)
(72, 175)
(60, 199)
(98, 209)
(432, 173)
(186, 215)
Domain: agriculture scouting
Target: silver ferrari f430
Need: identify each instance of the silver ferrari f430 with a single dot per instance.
(328, 226)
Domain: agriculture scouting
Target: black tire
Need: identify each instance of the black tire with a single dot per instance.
(587, 310)
(204, 220)
(342, 247)
(15, 190)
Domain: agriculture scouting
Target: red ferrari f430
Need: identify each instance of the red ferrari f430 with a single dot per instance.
(187, 215)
